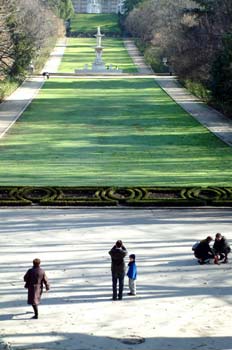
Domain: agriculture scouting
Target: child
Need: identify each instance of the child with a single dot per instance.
(132, 274)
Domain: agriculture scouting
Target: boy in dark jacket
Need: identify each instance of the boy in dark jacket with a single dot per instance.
(221, 247)
(203, 252)
(118, 253)
(132, 274)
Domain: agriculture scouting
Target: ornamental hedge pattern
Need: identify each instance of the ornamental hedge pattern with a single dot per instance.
(115, 196)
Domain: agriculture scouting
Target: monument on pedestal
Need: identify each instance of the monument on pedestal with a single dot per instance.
(98, 66)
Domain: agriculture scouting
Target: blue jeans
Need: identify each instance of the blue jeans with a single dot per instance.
(115, 278)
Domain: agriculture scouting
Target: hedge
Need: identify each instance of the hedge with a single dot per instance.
(115, 196)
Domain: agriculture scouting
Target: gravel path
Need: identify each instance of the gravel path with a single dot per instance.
(14, 105)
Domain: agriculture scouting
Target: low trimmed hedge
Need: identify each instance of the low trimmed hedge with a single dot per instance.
(116, 196)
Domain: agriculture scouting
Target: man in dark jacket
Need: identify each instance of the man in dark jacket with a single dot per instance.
(35, 278)
(118, 253)
(221, 247)
(203, 252)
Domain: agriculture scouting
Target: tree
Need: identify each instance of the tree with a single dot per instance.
(158, 23)
(63, 8)
(129, 5)
(191, 34)
(221, 75)
(6, 44)
(21, 37)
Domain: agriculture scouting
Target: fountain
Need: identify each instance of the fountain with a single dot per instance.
(98, 66)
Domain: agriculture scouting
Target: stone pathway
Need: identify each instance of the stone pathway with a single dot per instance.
(14, 105)
(17, 102)
(54, 60)
(137, 58)
(213, 120)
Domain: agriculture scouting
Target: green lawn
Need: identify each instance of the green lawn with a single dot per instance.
(110, 132)
(88, 23)
(80, 51)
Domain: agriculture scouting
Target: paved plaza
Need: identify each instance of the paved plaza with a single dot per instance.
(180, 305)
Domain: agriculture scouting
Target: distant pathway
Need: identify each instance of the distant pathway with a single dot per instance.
(55, 58)
(213, 120)
(137, 58)
(14, 105)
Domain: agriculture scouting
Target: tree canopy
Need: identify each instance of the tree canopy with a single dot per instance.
(193, 34)
(22, 39)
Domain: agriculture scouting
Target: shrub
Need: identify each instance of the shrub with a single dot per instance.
(153, 56)
(7, 86)
(221, 76)
(198, 89)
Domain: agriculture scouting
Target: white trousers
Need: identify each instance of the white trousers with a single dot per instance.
(132, 286)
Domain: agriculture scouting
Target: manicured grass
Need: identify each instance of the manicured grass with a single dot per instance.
(80, 51)
(88, 23)
(110, 132)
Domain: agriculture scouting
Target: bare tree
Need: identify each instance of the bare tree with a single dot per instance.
(26, 27)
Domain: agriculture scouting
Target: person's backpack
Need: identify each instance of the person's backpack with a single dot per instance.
(195, 245)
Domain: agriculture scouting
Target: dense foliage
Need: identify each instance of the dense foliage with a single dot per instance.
(63, 8)
(195, 36)
(27, 28)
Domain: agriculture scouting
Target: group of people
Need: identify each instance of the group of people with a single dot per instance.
(36, 278)
(204, 252)
(118, 253)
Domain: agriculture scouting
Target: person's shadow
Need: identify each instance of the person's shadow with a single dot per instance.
(21, 316)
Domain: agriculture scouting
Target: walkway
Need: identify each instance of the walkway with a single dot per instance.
(179, 306)
(137, 58)
(14, 105)
(213, 120)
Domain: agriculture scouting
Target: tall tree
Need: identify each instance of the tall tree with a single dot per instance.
(63, 8)
(6, 43)
(193, 35)
(21, 37)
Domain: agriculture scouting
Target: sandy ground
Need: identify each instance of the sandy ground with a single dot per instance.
(180, 305)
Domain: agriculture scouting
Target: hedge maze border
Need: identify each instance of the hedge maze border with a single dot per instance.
(115, 196)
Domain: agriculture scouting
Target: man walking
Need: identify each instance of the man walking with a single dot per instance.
(118, 253)
(35, 278)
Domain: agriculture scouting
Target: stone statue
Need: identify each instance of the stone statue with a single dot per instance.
(98, 66)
